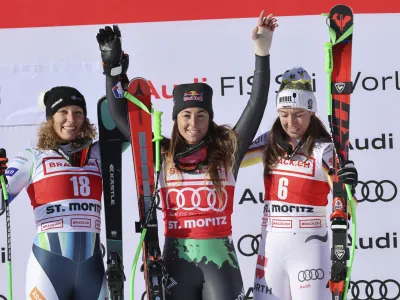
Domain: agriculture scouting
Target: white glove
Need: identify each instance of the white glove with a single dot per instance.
(262, 34)
(264, 41)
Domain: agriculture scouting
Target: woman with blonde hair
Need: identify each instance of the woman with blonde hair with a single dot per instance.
(62, 176)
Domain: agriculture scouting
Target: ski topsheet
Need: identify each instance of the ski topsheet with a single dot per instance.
(340, 87)
(111, 143)
(140, 121)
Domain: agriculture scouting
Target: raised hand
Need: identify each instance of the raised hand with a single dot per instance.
(109, 40)
(262, 34)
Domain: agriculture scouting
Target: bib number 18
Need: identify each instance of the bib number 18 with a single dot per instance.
(81, 185)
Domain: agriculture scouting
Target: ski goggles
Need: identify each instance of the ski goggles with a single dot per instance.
(192, 160)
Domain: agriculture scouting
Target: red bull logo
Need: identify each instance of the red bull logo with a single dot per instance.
(192, 95)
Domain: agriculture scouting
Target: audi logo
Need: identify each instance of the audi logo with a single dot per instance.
(375, 289)
(2, 212)
(313, 274)
(2, 297)
(248, 244)
(190, 199)
(373, 191)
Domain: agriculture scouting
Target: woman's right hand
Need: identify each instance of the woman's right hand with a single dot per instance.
(115, 61)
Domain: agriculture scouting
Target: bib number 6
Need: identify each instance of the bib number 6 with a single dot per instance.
(282, 188)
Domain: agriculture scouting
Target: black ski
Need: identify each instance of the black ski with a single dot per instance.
(111, 143)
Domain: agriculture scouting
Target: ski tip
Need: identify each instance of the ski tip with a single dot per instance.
(139, 79)
(341, 8)
(103, 98)
(140, 88)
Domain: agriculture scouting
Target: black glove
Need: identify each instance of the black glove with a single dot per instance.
(348, 174)
(115, 62)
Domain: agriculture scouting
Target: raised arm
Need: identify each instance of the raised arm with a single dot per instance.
(115, 65)
(252, 115)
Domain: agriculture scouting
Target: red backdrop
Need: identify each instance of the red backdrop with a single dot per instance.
(38, 13)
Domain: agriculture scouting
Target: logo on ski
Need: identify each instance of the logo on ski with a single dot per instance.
(338, 205)
(339, 254)
(341, 20)
(340, 86)
(139, 90)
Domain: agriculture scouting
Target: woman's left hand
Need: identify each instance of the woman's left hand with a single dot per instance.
(262, 34)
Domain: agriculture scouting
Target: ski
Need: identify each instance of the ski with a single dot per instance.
(111, 142)
(140, 114)
(339, 89)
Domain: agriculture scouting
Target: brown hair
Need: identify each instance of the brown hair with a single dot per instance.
(49, 139)
(316, 130)
(221, 150)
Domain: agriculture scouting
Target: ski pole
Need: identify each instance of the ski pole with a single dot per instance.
(8, 226)
(157, 138)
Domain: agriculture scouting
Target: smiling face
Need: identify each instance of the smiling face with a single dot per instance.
(193, 124)
(68, 121)
(295, 121)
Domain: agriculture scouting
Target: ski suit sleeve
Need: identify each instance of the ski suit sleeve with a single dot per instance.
(327, 162)
(118, 107)
(19, 173)
(255, 153)
(250, 120)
